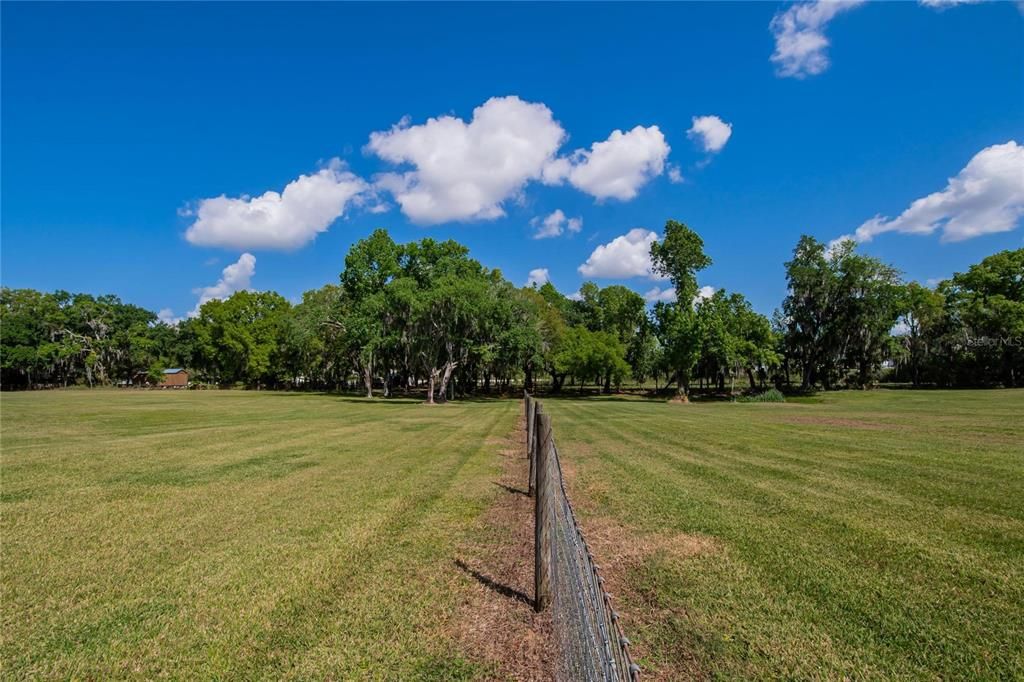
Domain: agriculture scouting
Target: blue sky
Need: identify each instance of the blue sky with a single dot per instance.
(120, 123)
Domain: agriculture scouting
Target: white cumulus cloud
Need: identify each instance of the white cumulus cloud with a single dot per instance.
(657, 294)
(628, 255)
(985, 197)
(616, 168)
(277, 220)
(554, 224)
(800, 41)
(711, 131)
(167, 316)
(538, 277)
(675, 175)
(235, 277)
(465, 171)
(705, 292)
(668, 294)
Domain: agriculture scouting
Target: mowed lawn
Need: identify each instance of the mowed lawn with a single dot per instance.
(862, 535)
(250, 535)
(239, 535)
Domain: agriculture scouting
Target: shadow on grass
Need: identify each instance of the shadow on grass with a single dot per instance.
(597, 397)
(491, 584)
(418, 398)
(508, 488)
(648, 397)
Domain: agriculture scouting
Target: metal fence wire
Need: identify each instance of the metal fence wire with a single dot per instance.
(588, 636)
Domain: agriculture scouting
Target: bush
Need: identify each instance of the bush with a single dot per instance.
(772, 395)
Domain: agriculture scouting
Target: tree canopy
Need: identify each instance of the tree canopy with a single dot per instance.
(425, 315)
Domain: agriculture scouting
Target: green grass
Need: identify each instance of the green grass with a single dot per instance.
(238, 535)
(860, 535)
(246, 535)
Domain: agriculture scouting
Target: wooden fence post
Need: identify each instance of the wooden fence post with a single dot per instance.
(529, 425)
(531, 445)
(542, 514)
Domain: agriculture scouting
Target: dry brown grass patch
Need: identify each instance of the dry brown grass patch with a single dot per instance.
(496, 625)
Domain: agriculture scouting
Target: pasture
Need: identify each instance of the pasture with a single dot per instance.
(231, 534)
(238, 535)
(859, 535)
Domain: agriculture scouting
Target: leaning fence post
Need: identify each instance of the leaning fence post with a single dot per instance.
(542, 513)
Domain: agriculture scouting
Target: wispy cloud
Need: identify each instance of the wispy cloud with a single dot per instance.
(800, 41)
(555, 224)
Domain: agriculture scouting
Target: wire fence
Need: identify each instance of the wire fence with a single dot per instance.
(588, 636)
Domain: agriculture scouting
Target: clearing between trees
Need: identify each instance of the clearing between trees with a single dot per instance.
(265, 535)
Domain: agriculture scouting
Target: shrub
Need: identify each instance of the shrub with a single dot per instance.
(772, 395)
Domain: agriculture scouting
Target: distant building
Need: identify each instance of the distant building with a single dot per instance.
(175, 377)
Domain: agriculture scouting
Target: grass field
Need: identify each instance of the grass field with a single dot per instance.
(257, 535)
(238, 535)
(863, 535)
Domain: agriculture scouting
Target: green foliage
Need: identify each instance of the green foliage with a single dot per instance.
(679, 256)
(984, 327)
(772, 395)
(679, 332)
(839, 313)
(426, 314)
(592, 355)
(63, 339)
(735, 339)
(239, 338)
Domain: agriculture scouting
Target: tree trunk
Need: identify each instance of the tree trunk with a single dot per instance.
(430, 386)
(683, 386)
(442, 393)
(368, 379)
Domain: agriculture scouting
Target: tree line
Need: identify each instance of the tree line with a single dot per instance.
(426, 316)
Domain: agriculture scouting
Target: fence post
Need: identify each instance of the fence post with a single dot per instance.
(529, 425)
(542, 513)
(531, 444)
